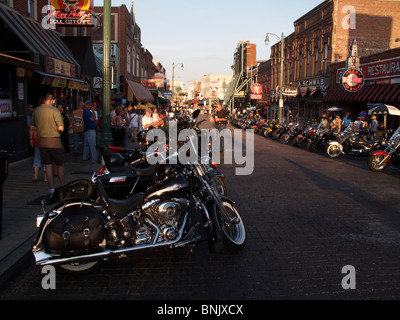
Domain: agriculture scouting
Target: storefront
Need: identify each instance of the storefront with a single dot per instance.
(26, 49)
(381, 73)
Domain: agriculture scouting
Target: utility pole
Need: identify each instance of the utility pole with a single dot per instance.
(106, 137)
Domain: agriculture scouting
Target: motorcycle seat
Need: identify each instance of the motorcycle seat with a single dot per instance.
(125, 206)
(147, 172)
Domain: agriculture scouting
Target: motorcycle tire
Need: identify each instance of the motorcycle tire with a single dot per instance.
(219, 185)
(333, 151)
(312, 146)
(232, 226)
(373, 163)
(275, 136)
(267, 133)
(78, 268)
(285, 138)
(296, 142)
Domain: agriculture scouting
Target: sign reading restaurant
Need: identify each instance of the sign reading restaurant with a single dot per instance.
(382, 69)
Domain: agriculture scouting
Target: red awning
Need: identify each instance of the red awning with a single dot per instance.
(375, 93)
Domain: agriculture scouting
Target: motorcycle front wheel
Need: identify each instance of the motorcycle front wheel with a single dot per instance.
(333, 151)
(312, 145)
(374, 163)
(232, 226)
(285, 138)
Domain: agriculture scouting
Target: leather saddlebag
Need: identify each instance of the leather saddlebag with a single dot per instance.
(77, 228)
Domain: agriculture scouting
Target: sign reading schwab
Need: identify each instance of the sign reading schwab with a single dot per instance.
(353, 79)
(72, 13)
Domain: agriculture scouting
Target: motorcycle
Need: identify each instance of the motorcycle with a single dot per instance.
(380, 159)
(321, 137)
(270, 129)
(350, 142)
(283, 128)
(293, 132)
(85, 226)
(303, 137)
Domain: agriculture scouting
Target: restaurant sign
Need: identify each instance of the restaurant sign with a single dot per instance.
(5, 108)
(60, 67)
(71, 13)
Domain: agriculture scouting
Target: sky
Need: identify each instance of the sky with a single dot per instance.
(203, 35)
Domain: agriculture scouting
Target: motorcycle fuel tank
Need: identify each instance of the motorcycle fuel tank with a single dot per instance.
(175, 187)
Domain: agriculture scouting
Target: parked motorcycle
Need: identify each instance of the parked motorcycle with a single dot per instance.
(270, 129)
(86, 226)
(303, 137)
(293, 132)
(283, 128)
(320, 138)
(350, 142)
(380, 159)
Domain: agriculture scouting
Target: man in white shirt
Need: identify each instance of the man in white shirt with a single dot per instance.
(148, 121)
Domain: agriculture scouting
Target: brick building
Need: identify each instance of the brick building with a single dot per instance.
(323, 36)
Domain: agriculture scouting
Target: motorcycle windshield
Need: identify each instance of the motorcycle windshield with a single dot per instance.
(395, 138)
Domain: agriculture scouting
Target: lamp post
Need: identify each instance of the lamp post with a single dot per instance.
(106, 137)
(281, 39)
(173, 80)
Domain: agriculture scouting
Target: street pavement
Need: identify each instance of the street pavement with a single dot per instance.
(307, 217)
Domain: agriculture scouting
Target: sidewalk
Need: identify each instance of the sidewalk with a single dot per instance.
(19, 214)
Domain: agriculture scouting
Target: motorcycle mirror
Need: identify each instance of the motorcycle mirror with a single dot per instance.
(196, 113)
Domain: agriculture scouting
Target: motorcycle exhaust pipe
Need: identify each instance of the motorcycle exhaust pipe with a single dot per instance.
(42, 258)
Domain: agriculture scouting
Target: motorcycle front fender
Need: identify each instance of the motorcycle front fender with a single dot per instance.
(379, 153)
(337, 144)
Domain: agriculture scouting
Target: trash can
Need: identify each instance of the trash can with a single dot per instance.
(4, 157)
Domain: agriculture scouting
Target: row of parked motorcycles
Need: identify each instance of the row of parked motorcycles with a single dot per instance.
(131, 205)
(381, 152)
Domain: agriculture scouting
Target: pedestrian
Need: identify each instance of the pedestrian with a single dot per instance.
(67, 126)
(37, 160)
(125, 122)
(364, 131)
(148, 120)
(47, 120)
(133, 124)
(221, 120)
(156, 115)
(346, 121)
(324, 123)
(374, 127)
(89, 133)
(78, 126)
(337, 125)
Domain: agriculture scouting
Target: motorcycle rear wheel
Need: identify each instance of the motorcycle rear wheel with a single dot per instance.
(79, 267)
(232, 226)
(373, 163)
(285, 138)
(312, 145)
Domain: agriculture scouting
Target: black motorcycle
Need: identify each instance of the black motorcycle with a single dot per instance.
(303, 136)
(293, 132)
(320, 138)
(86, 226)
(350, 142)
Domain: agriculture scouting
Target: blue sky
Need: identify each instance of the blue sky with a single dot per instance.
(203, 35)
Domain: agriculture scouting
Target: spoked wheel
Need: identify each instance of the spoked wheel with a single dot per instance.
(232, 226)
(375, 163)
(285, 138)
(312, 145)
(79, 267)
(333, 151)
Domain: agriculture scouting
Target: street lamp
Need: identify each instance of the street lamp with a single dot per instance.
(173, 79)
(281, 39)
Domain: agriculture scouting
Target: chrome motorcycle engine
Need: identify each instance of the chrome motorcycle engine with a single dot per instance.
(167, 216)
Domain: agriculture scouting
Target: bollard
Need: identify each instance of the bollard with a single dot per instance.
(4, 156)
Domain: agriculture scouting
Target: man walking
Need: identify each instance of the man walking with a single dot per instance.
(48, 123)
(89, 133)
(221, 120)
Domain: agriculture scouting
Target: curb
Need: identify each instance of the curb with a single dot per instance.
(16, 262)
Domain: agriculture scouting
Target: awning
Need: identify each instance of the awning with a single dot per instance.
(39, 41)
(375, 93)
(73, 83)
(137, 92)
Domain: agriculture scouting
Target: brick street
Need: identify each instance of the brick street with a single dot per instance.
(306, 216)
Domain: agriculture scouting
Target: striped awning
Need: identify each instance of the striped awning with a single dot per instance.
(137, 92)
(373, 93)
(39, 41)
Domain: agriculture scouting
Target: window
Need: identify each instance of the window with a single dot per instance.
(128, 59)
(291, 72)
(315, 61)
(300, 65)
(308, 63)
(325, 57)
